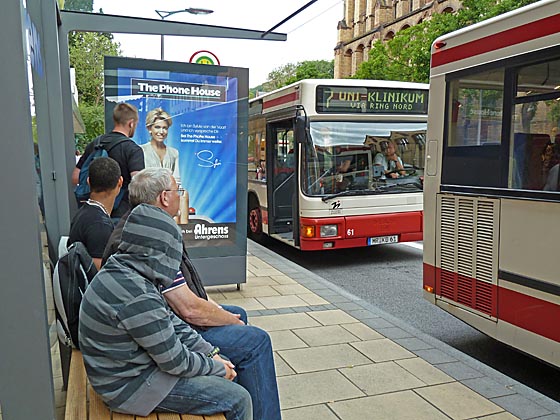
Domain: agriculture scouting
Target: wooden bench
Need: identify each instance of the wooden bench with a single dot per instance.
(80, 394)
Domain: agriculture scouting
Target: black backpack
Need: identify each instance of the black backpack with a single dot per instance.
(73, 273)
(100, 149)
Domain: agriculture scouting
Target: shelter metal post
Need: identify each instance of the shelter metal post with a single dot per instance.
(26, 386)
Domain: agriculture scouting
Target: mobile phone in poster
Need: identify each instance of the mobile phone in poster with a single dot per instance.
(191, 118)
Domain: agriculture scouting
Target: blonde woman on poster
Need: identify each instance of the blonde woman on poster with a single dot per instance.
(160, 155)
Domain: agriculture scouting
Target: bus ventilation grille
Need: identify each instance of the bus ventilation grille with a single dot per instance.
(467, 249)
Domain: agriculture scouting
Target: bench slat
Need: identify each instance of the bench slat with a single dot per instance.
(97, 408)
(169, 416)
(76, 403)
(215, 417)
(152, 416)
(120, 416)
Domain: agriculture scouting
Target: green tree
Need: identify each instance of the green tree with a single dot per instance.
(94, 121)
(87, 50)
(280, 76)
(291, 73)
(86, 56)
(314, 69)
(79, 5)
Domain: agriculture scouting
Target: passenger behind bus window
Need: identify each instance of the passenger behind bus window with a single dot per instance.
(392, 164)
(342, 167)
(552, 181)
(261, 170)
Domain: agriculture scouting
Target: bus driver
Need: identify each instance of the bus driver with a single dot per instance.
(392, 164)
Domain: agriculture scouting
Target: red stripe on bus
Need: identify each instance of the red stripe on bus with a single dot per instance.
(509, 37)
(530, 313)
(281, 100)
(527, 312)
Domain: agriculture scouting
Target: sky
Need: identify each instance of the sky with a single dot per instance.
(311, 34)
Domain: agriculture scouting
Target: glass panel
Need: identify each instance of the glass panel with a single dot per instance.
(539, 78)
(284, 163)
(475, 109)
(535, 150)
(252, 159)
(354, 158)
(257, 149)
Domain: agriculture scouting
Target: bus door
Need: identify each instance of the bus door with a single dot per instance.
(282, 193)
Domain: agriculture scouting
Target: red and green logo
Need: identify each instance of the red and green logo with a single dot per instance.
(204, 57)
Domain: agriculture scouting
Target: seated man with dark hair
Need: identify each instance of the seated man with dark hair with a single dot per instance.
(248, 347)
(92, 224)
(138, 355)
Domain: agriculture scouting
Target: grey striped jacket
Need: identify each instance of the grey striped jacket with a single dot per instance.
(135, 349)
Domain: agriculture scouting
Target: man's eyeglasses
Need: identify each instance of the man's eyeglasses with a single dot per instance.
(180, 191)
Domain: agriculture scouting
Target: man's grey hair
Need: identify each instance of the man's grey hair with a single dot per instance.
(147, 185)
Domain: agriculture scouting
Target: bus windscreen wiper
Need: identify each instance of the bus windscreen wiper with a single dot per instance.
(381, 189)
(404, 187)
(348, 193)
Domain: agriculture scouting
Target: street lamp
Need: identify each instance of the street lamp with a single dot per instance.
(192, 10)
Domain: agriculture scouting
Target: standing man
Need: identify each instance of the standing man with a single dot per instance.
(248, 347)
(121, 148)
(92, 224)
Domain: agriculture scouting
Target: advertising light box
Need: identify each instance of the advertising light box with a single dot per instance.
(200, 116)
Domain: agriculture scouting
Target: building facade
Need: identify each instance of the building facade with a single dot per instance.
(366, 21)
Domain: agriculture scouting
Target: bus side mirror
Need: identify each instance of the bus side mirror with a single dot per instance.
(302, 131)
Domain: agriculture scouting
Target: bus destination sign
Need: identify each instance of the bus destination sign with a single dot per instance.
(349, 99)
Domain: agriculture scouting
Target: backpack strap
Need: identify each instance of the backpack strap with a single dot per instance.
(109, 146)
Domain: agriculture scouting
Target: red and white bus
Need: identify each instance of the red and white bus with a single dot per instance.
(337, 163)
(491, 189)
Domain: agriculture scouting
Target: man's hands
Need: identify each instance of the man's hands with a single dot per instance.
(230, 368)
(228, 317)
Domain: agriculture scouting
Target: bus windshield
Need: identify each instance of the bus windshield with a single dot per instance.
(355, 158)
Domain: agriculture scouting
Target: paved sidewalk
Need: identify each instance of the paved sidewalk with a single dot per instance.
(338, 357)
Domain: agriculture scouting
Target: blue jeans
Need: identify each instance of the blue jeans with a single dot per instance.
(208, 395)
(250, 350)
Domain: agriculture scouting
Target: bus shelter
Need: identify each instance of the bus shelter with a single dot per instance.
(36, 76)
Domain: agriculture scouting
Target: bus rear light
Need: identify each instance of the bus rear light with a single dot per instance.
(308, 231)
(328, 231)
(428, 289)
(439, 45)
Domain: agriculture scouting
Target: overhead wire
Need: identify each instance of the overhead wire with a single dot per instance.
(316, 16)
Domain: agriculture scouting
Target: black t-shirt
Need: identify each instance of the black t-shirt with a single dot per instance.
(92, 227)
(130, 158)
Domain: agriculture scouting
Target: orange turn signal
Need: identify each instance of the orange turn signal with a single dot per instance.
(428, 289)
(308, 231)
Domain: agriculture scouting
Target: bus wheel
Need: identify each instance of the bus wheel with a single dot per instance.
(254, 222)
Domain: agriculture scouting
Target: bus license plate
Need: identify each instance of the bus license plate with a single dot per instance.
(379, 240)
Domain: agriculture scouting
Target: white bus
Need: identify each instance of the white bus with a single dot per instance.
(337, 163)
(491, 187)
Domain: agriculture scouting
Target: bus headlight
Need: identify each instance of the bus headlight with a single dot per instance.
(328, 231)
(308, 231)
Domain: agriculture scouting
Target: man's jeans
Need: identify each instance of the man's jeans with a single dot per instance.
(250, 350)
(208, 395)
